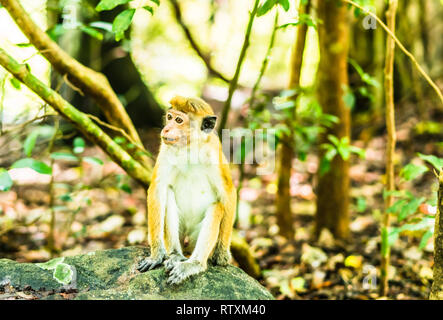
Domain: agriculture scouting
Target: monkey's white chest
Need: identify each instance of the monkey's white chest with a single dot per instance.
(193, 195)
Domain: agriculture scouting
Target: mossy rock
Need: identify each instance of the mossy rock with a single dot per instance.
(112, 274)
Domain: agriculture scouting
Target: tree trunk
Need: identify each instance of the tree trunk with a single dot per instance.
(286, 148)
(437, 285)
(390, 146)
(333, 186)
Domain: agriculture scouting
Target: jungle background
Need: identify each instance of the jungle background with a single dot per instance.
(354, 102)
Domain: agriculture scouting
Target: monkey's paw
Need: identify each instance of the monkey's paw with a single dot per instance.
(150, 263)
(172, 261)
(183, 270)
(221, 258)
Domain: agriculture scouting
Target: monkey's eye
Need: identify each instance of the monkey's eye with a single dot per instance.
(178, 120)
(169, 116)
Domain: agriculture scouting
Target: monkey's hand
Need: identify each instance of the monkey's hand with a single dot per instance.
(151, 262)
(173, 260)
(183, 270)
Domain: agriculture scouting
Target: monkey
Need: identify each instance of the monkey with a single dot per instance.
(191, 195)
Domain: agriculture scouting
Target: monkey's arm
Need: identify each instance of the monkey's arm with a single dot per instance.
(156, 213)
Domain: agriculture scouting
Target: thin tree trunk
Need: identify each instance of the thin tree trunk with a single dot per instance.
(285, 152)
(333, 186)
(437, 285)
(234, 82)
(390, 146)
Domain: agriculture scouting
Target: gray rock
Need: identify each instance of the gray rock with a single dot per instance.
(112, 274)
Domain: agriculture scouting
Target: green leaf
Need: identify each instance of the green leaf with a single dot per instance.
(397, 206)
(157, 2)
(93, 160)
(424, 240)
(92, 32)
(63, 273)
(150, 9)
(361, 204)
(66, 197)
(35, 165)
(15, 83)
(106, 26)
(325, 166)
(5, 180)
(265, 7)
(29, 143)
(109, 4)
(285, 105)
(79, 145)
(284, 4)
(125, 187)
(122, 22)
(412, 171)
(334, 140)
(63, 156)
(51, 264)
(436, 162)
(410, 208)
(349, 99)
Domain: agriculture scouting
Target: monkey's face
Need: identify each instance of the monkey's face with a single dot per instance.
(176, 129)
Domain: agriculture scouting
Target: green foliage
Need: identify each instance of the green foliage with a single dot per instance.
(104, 5)
(63, 273)
(35, 165)
(63, 156)
(269, 4)
(406, 205)
(122, 22)
(437, 163)
(78, 145)
(340, 147)
(302, 19)
(412, 171)
(5, 180)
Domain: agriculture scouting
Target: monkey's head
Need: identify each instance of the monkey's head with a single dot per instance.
(188, 118)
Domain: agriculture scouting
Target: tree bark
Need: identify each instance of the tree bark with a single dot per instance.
(286, 148)
(390, 146)
(333, 186)
(437, 285)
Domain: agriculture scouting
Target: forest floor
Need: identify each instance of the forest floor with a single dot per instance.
(98, 207)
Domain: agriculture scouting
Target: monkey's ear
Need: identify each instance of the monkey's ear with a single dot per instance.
(208, 123)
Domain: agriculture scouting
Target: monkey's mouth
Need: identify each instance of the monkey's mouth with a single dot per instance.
(170, 140)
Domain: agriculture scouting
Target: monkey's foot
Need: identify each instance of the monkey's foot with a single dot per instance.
(220, 257)
(172, 261)
(183, 270)
(150, 263)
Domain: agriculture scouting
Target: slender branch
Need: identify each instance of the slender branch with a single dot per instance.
(265, 62)
(87, 80)
(205, 57)
(85, 125)
(234, 82)
(390, 146)
(109, 126)
(402, 48)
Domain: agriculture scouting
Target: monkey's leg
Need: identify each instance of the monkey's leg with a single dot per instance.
(206, 241)
(222, 253)
(156, 217)
(172, 239)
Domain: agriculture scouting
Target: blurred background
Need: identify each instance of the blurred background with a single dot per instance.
(61, 194)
